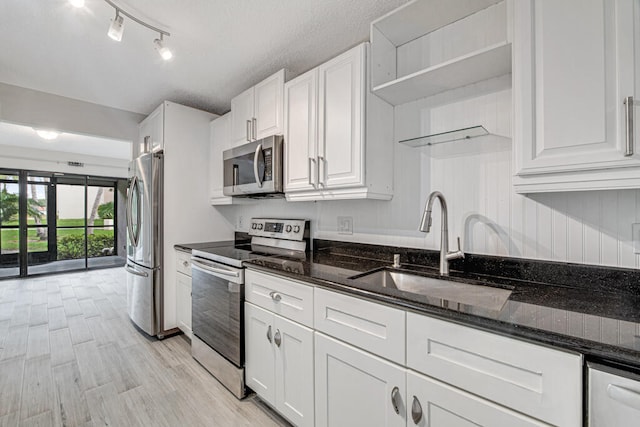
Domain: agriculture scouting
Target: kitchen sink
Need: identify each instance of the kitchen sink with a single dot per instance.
(477, 295)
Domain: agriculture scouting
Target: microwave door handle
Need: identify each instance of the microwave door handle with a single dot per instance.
(257, 155)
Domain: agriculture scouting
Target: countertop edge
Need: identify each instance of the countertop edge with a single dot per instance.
(592, 350)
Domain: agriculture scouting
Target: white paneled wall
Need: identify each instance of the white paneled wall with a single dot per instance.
(475, 176)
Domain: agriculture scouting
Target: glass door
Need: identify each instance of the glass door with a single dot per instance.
(9, 224)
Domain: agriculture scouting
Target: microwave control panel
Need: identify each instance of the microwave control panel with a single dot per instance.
(268, 163)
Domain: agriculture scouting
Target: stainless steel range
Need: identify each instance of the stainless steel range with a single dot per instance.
(218, 294)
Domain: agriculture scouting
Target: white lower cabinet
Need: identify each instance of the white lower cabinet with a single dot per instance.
(183, 291)
(355, 388)
(431, 403)
(279, 363)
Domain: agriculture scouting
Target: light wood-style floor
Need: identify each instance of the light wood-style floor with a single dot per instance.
(69, 356)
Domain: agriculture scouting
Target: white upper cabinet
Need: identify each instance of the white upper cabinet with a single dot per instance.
(258, 112)
(151, 129)
(301, 132)
(573, 70)
(220, 140)
(338, 137)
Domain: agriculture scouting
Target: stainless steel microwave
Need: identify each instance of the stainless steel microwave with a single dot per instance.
(254, 169)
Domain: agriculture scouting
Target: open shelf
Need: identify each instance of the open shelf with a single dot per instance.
(420, 17)
(440, 138)
(492, 61)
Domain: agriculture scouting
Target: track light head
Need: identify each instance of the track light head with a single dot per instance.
(117, 27)
(164, 51)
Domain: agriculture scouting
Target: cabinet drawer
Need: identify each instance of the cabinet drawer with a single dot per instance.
(535, 380)
(183, 262)
(288, 298)
(368, 325)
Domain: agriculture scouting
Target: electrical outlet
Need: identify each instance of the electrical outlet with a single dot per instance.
(635, 230)
(345, 225)
(240, 222)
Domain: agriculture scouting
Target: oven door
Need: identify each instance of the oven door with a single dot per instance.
(217, 308)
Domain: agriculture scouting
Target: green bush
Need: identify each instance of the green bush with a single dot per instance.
(72, 247)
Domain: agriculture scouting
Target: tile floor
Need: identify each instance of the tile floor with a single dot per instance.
(69, 356)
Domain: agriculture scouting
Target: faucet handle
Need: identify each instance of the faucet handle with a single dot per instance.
(456, 254)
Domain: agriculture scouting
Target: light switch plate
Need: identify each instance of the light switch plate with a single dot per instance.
(636, 237)
(345, 225)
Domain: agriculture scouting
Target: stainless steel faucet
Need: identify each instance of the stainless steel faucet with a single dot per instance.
(425, 226)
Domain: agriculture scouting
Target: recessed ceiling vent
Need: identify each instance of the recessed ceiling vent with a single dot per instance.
(76, 164)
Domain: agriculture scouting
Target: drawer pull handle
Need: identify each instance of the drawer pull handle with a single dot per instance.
(627, 397)
(275, 296)
(395, 395)
(416, 411)
(269, 334)
(185, 263)
(277, 338)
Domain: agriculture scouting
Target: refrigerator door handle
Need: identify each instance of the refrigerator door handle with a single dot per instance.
(135, 236)
(136, 272)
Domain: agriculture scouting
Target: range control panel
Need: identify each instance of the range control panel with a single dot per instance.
(289, 229)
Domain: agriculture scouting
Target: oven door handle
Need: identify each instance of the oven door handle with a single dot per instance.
(203, 266)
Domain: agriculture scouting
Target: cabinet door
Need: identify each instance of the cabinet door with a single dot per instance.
(220, 140)
(294, 371)
(340, 120)
(435, 404)
(153, 127)
(183, 302)
(301, 132)
(573, 68)
(259, 352)
(268, 106)
(355, 388)
(241, 111)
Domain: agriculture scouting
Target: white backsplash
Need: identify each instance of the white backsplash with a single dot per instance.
(475, 177)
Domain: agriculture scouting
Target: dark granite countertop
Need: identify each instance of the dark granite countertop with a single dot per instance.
(587, 309)
(188, 247)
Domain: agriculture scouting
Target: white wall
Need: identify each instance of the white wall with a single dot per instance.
(475, 177)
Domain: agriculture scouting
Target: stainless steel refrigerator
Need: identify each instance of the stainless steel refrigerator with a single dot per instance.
(144, 243)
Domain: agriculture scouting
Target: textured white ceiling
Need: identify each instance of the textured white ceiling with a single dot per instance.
(221, 47)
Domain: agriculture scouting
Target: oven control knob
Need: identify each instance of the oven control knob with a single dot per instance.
(259, 226)
(296, 228)
(254, 226)
(288, 228)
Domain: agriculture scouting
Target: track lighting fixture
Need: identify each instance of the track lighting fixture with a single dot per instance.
(117, 27)
(164, 51)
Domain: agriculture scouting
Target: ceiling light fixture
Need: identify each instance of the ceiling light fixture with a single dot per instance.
(117, 27)
(47, 134)
(77, 3)
(164, 51)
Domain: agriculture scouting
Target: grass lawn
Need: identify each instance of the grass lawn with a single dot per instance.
(9, 237)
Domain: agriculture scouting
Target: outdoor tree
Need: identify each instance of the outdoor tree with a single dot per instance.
(8, 205)
(94, 209)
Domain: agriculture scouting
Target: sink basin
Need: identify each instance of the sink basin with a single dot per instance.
(482, 296)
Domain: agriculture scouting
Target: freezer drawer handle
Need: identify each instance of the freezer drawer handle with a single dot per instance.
(136, 272)
(625, 396)
(211, 269)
